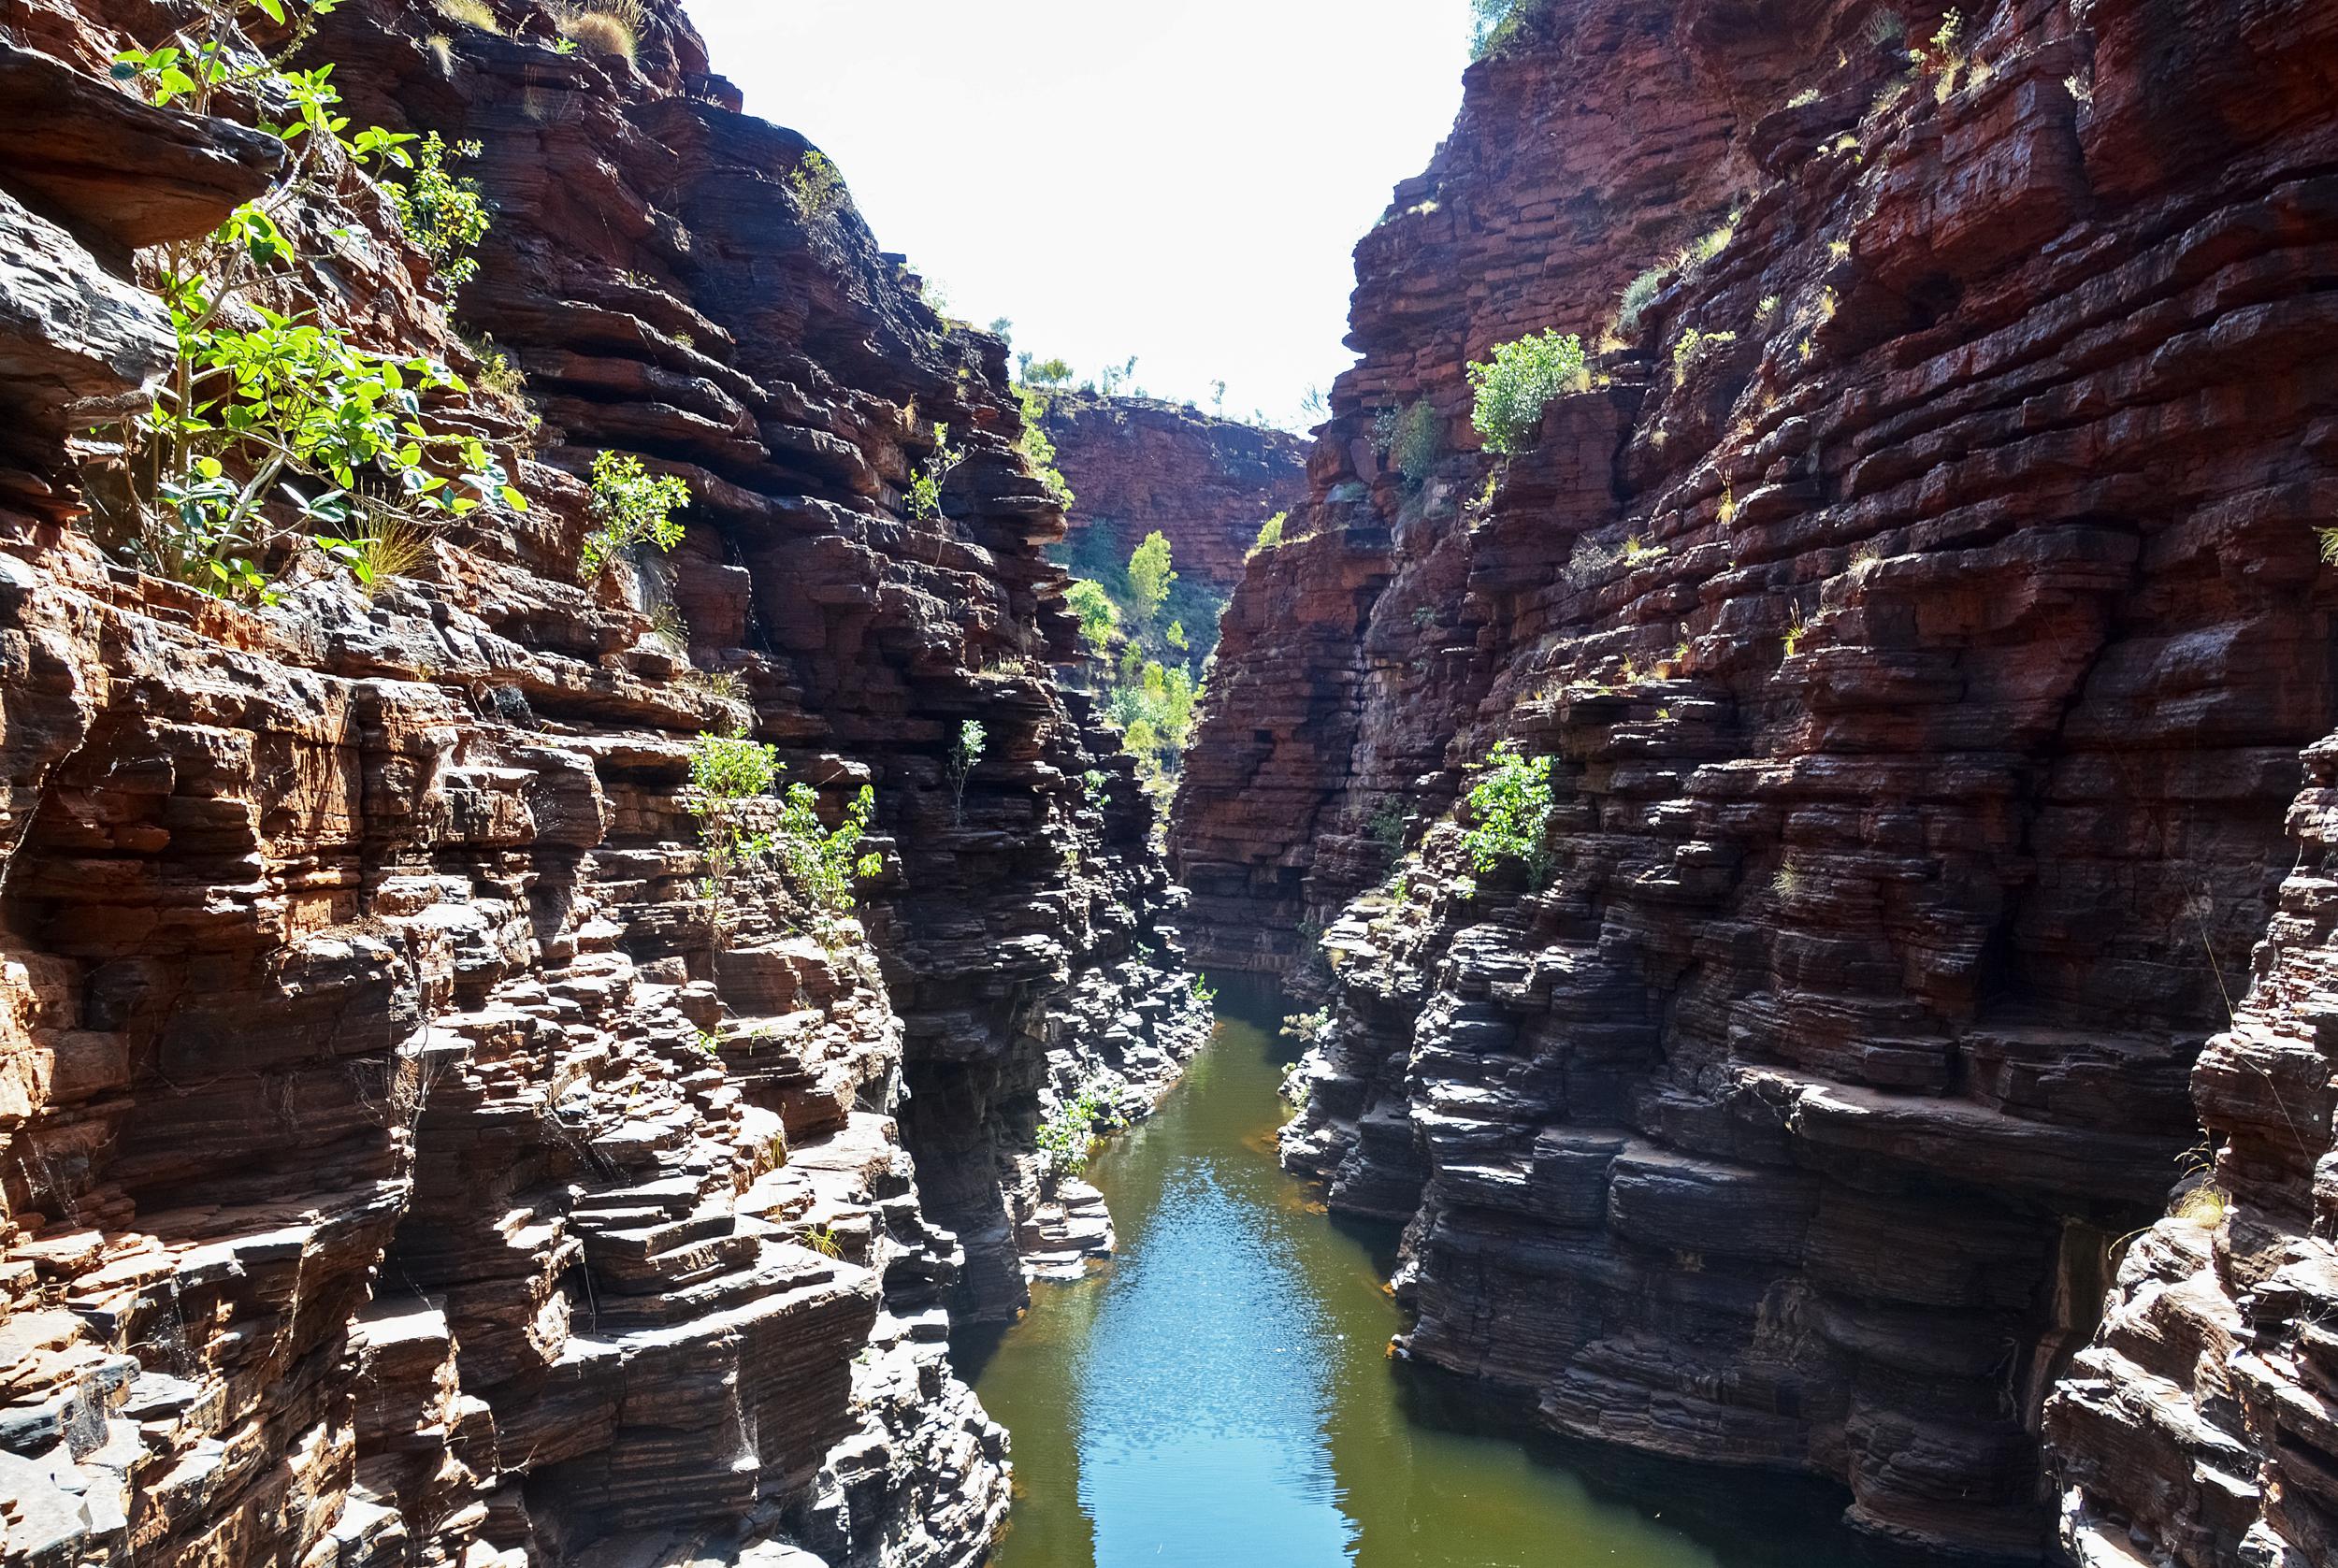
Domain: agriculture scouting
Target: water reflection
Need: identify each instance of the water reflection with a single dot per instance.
(1220, 1396)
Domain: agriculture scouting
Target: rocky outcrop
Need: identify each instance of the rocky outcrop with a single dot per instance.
(2198, 1427)
(399, 1166)
(1137, 466)
(1923, 611)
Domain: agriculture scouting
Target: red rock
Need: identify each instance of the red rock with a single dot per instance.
(395, 1172)
(1139, 465)
(1921, 668)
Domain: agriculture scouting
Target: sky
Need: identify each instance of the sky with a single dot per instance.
(1183, 181)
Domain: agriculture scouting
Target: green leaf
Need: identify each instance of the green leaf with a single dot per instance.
(274, 9)
(513, 499)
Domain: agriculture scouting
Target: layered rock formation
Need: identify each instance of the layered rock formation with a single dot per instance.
(1137, 466)
(400, 1165)
(1923, 611)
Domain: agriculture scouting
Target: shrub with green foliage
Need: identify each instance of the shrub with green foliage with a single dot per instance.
(1100, 618)
(1416, 440)
(731, 783)
(925, 485)
(1270, 533)
(1387, 825)
(1493, 23)
(1510, 809)
(1513, 388)
(1309, 1029)
(818, 187)
(1067, 1138)
(1038, 447)
(255, 397)
(1149, 575)
(443, 214)
(964, 757)
(631, 506)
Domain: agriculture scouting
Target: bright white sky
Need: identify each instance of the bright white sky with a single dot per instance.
(1178, 180)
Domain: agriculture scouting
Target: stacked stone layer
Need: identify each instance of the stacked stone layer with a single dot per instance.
(398, 1167)
(1138, 467)
(1926, 647)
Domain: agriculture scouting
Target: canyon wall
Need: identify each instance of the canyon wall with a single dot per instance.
(1921, 603)
(1136, 464)
(399, 1166)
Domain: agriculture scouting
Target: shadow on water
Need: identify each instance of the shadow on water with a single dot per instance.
(1220, 1395)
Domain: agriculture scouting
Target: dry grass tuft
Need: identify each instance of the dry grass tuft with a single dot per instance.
(470, 14)
(600, 32)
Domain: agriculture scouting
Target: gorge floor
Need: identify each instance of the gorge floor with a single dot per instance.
(1221, 1394)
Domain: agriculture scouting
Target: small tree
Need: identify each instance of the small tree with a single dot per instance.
(1100, 618)
(1149, 575)
(964, 756)
(729, 772)
(1513, 388)
(1511, 806)
(631, 506)
(444, 215)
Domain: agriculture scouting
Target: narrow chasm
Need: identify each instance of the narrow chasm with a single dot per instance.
(660, 908)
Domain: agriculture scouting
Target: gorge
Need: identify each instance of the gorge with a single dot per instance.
(570, 908)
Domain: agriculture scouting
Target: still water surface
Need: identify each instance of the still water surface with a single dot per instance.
(1219, 1396)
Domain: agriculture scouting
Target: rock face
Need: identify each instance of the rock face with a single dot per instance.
(399, 1167)
(1136, 464)
(1923, 611)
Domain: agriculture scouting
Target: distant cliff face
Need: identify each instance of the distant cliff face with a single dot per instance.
(1138, 466)
(398, 1164)
(1922, 608)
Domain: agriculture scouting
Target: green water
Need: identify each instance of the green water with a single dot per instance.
(1221, 1397)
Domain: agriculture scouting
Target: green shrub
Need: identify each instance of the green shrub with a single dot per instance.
(730, 777)
(1038, 447)
(1066, 1139)
(1387, 825)
(826, 862)
(444, 215)
(925, 485)
(1416, 440)
(964, 756)
(1692, 348)
(1510, 807)
(1270, 533)
(1309, 1029)
(1494, 25)
(1100, 618)
(255, 398)
(630, 507)
(818, 188)
(1149, 575)
(1513, 388)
